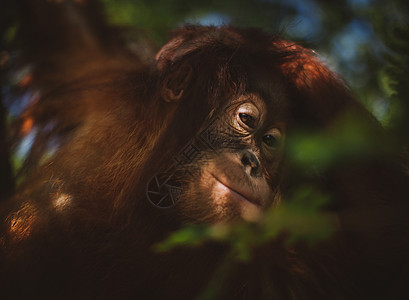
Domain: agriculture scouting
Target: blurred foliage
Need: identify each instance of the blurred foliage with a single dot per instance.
(300, 217)
(348, 139)
(396, 37)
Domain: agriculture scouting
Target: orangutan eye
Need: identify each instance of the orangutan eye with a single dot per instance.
(248, 120)
(270, 140)
(248, 116)
(273, 138)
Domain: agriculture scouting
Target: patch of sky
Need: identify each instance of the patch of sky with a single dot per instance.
(306, 24)
(213, 19)
(26, 143)
(351, 39)
(17, 106)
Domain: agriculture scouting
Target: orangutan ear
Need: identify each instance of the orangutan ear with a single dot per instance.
(176, 82)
